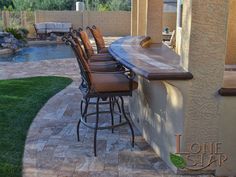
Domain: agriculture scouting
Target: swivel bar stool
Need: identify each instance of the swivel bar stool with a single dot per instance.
(95, 67)
(88, 46)
(99, 40)
(90, 54)
(102, 86)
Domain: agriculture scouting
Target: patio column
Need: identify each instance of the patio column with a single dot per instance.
(134, 16)
(178, 27)
(154, 20)
(179, 14)
(231, 52)
(142, 17)
(203, 51)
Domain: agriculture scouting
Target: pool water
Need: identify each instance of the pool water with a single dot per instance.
(39, 52)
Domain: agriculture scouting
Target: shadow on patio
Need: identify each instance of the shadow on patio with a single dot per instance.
(52, 148)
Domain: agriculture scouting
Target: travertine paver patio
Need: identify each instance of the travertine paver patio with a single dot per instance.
(52, 149)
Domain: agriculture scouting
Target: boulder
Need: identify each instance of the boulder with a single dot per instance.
(7, 40)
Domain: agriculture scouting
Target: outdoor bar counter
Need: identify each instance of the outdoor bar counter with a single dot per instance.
(156, 62)
(157, 106)
(172, 101)
(193, 95)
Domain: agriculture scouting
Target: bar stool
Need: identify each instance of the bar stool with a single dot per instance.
(103, 86)
(102, 66)
(99, 40)
(89, 52)
(102, 63)
(88, 46)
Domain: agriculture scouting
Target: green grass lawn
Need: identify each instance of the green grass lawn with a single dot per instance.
(20, 101)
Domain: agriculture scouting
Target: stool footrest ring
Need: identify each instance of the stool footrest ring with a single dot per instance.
(102, 127)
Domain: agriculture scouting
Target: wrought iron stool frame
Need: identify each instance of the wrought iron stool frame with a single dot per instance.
(99, 40)
(112, 106)
(73, 35)
(89, 93)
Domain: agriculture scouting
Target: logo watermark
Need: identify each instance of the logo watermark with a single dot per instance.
(198, 156)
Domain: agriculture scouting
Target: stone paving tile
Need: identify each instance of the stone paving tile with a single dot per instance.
(103, 174)
(52, 149)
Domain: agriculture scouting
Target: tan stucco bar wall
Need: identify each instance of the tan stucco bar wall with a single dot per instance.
(157, 106)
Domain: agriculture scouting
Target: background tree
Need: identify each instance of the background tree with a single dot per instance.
(5, 3)
(43, 4)
(23, 4)
(115, 5)
(108, 5)
(95, 5)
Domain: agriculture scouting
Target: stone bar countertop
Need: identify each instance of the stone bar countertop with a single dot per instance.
(229, 86)
(157, 62)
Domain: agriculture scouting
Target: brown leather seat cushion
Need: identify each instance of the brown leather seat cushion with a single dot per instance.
(86, 42)
(109, 62)
(103, 55)
(104, 50)
(99, 58)
(110, 82)
(103, 68)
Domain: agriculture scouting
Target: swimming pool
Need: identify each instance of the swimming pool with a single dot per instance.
(39, 52)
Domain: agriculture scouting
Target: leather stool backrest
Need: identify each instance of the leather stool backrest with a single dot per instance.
(98, 37)
(83, 65)
(86, 42)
